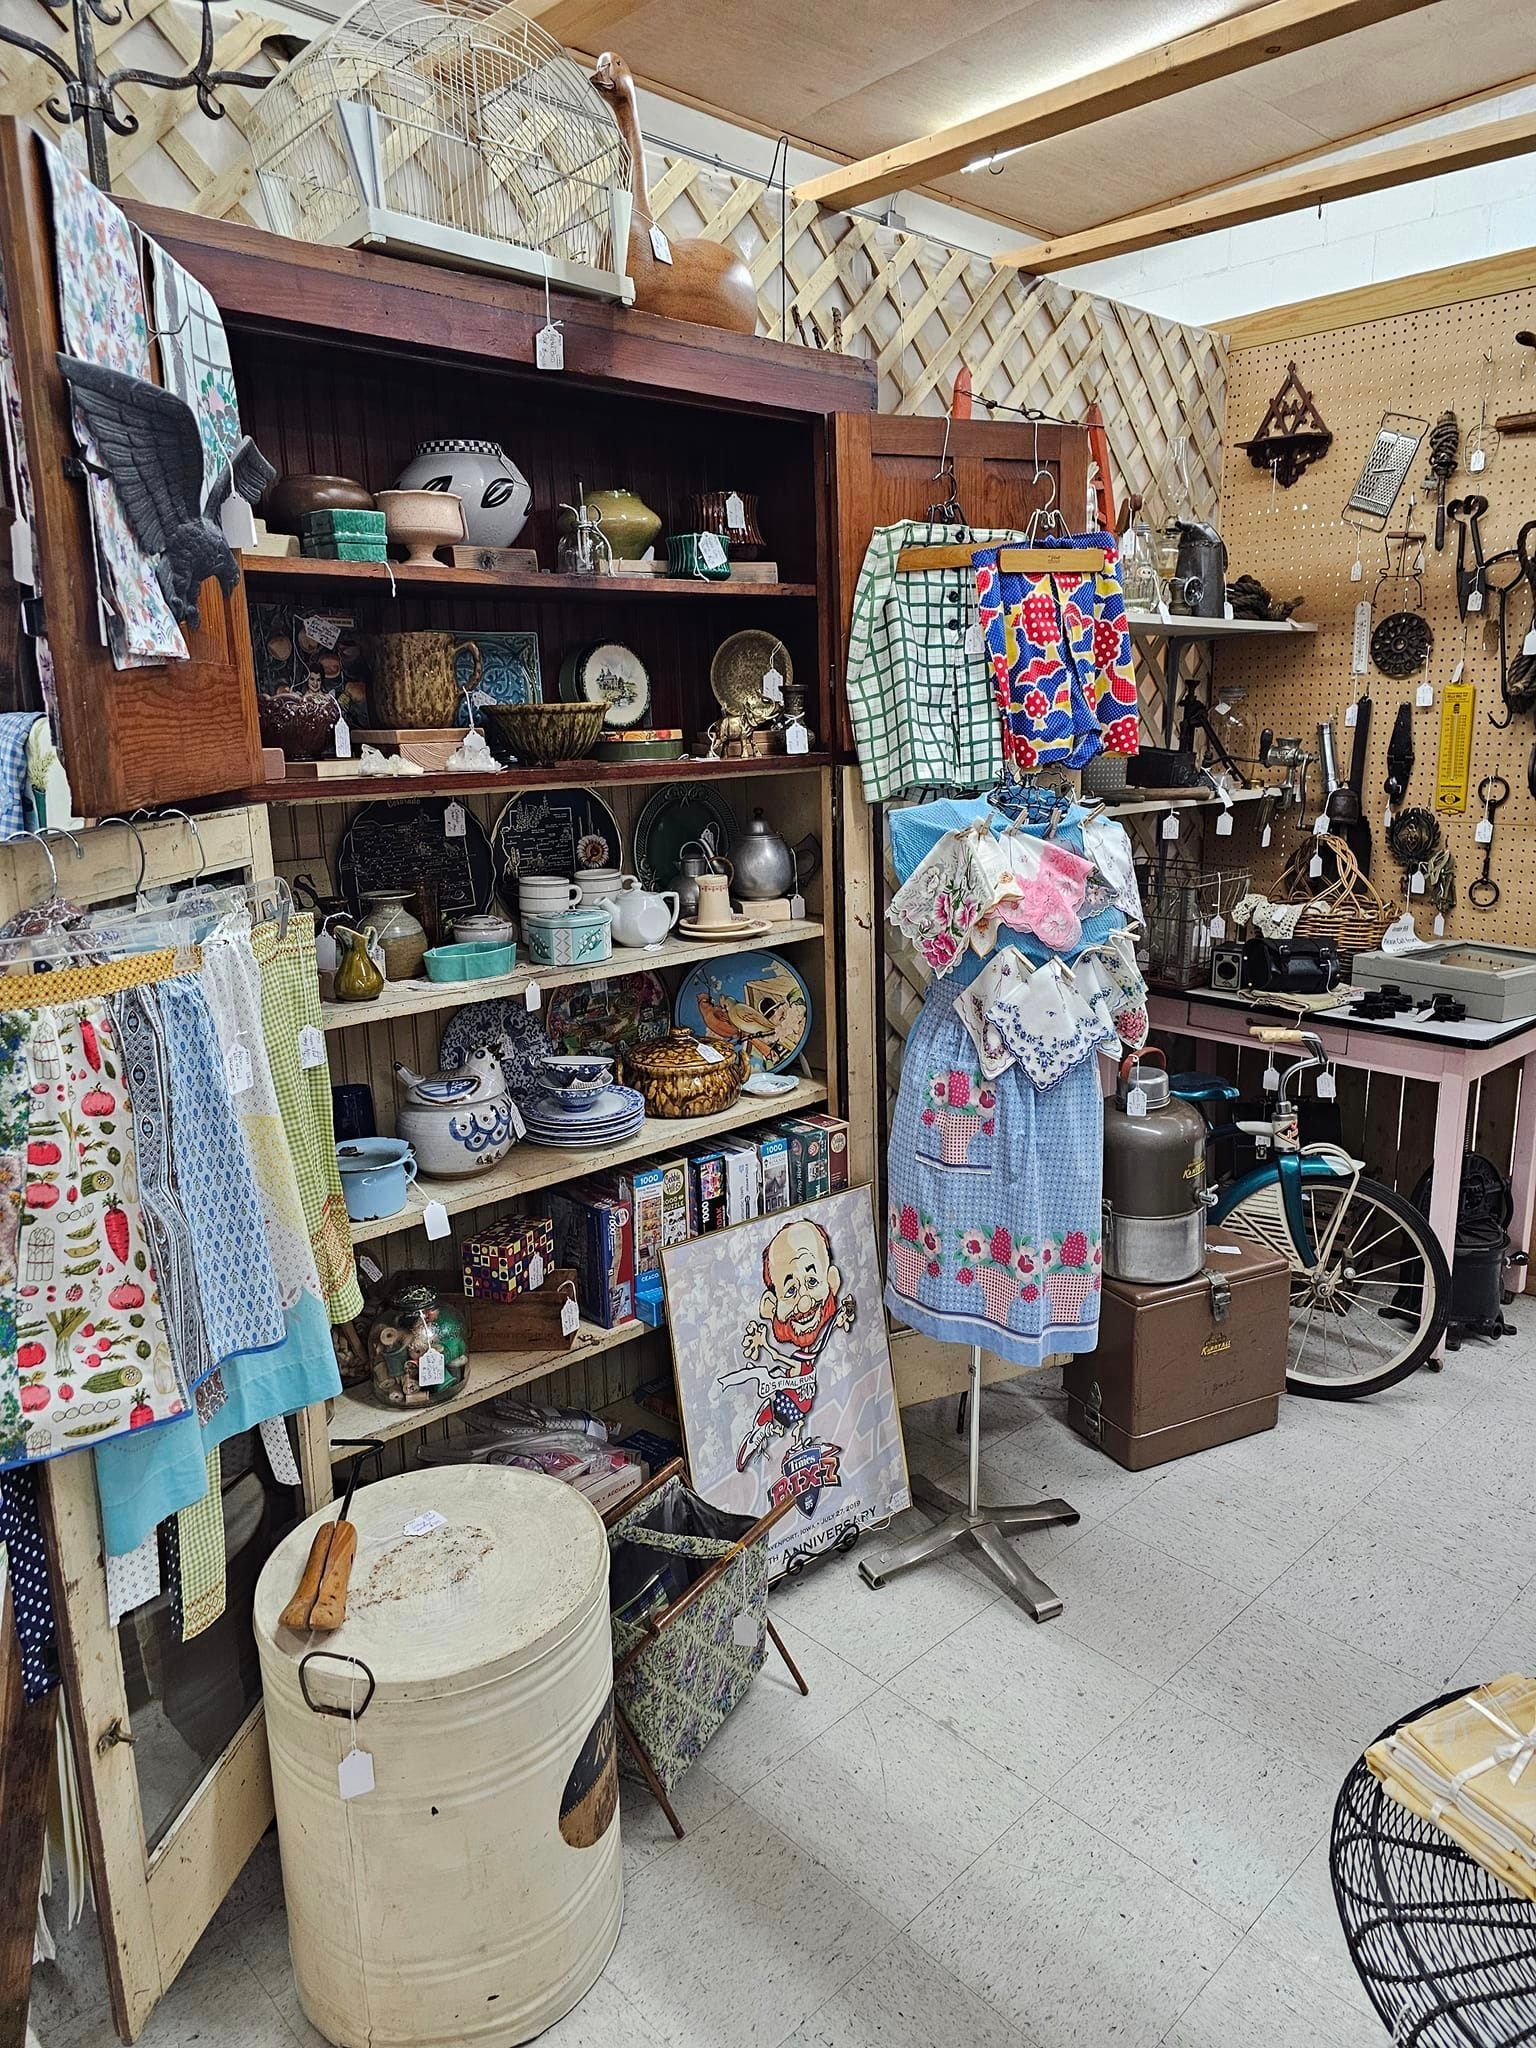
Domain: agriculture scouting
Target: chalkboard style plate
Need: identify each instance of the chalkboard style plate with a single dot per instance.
(553, 832)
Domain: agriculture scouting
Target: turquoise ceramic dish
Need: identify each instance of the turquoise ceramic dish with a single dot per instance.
(470, 960)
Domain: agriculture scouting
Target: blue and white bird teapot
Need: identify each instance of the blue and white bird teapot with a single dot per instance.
(459, 1122)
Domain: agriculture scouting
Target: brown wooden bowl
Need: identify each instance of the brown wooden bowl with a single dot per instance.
(539, 735)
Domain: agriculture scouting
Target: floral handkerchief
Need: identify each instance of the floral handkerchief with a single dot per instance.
(194, 354)
(936, 907)
(1049, 1024)
(1004, 974)
(1108, 845)
(1110, 978)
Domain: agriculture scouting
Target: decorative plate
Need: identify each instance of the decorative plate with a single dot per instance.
(678, 812)
(756, 996)
(553, 832)
(398, 844)
(497, 668)
(737, 670)
(516, 1035)
(608, 673)
(738, 928)
(609, 1018)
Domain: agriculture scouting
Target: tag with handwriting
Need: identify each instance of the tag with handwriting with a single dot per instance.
(311, 1046)
(570, 1318)
(549, 347)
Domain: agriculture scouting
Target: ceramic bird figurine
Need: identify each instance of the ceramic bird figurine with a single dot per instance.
(705, 282)
(150, 448)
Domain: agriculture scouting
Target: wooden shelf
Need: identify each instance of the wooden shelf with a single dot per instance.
(1148, 625)
(1182, 799)
(423, 579)
(352, 789)
(414, 998)
(529, 1167)
(355, 1414)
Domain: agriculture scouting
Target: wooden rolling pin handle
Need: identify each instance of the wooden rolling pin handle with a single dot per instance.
(296, 1613)
(330, 1608)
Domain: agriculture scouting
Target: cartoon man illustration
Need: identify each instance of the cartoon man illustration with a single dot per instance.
(802, 1305)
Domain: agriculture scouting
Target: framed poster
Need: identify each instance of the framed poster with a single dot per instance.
(784, 1372)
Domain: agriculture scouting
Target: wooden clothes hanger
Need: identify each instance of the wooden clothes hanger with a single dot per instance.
(1023, 559)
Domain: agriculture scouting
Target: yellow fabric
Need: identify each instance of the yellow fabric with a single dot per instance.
(81, 984)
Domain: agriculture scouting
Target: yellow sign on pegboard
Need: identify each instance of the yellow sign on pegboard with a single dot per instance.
(1453, 763)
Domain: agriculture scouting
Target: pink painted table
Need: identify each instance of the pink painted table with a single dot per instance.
(1453, 1056)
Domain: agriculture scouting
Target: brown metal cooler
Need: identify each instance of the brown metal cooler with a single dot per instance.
(1181, 1367)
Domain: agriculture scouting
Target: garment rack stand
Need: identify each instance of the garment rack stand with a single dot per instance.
(985, 1528)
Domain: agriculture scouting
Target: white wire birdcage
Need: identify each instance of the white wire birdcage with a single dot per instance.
(453, 130)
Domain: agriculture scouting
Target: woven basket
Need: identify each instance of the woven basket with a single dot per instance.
(1351, 911)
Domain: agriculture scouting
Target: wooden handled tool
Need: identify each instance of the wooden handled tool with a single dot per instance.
(320, 1598)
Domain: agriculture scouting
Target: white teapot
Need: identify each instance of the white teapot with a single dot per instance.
(641, 917)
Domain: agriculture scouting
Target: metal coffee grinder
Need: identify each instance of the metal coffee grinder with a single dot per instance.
(1155, 1196)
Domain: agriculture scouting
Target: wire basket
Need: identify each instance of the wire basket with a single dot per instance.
(1180, 900)
(1445, 1951)
(454, 130)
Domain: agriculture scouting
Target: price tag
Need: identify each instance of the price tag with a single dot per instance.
(735, 510)
(1327, 1087)
(311, 1046)
(975, 639)
(1320, 825)
(570, 1318)
(711, 1053)
(1136, 1102)
(371, 1270)
(454, 821)
(341, 733)
(1528, 644)
(1484, 833)
(1352, 715)
(519, 1128)
(711, 554)
(1356, 570)
(536, 1271)
(533, 996)
(323, 631)
(796, 909)
(745, 1631)
(773, 686)
(434, 1220)
(1456, 671)
(1477, 461)
(661, 248)
(431, 1368)
(1264, 837)
(549, 348)
(1439, 925)
(1223, 709)
(1171, 825)
(796, 739)
(236, 519)
(238, 1073)
(1315, 866)
(1217, 928)
(23, 569)
(1474, 601)
(1224, 826)
(1386, 819)
(354, 1774)
(424, 1523)
(1416, 882)
(1271, 1078)
(1424, 696)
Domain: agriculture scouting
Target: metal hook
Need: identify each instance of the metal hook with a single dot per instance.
(129, 826)
(53, 872)
(938, 474)
(197, 838)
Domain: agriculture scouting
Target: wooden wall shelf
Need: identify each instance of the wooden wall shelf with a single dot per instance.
(353, 789)
(422, 580)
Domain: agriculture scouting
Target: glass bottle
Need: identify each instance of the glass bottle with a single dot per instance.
(418, 1348)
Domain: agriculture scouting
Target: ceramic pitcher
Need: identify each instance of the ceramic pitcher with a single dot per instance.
(413, 679)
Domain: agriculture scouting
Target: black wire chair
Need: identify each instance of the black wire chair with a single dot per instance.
(1445, 1951)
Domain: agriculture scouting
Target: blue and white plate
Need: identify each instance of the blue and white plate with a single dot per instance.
(513, 1032)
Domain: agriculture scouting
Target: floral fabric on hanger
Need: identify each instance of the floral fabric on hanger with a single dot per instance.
(1109, 976)
(1040, 890)
(944, 895)
(1060, 653)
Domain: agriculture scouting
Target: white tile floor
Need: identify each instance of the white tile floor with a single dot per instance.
(1112, 1828)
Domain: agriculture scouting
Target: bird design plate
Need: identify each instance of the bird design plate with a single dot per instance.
(609, 1018)
(678, 813)
(553, 832)
(758, 997)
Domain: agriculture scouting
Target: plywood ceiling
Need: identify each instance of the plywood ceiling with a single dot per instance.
(863, 76)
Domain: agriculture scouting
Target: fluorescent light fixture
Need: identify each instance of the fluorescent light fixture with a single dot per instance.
(998, 156)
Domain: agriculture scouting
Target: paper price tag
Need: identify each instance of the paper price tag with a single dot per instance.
(975, 639)
(238, 1072)
(1477, 461)
(434, 1220)
(1352, 715)
(1217, 928)
(1424, 696)
(1264, 837)
(549, 348)
(1456, 671)
(311, 1046)
(1327, 1087)
(1224, 826)
(536, 1271)
(323, 631)
(570, 1318)
(1223, 709)
(1271, 1078)
(371, 1269)
(797, 909)
(1356, 570)
(341, 732)
(424, 1523)
(519, 1128)
(796, 739)
(711, 1053)
(431, 1369)
(533, 996)
(1136, 1102)
(711, 554)
(1474, 601)
(1171, 825)
(661, 248)
(1439, 925)
(1320, 825)
(745, 1631)
(455, 824)
(354, 1774)
(773, 686)
(236, 519)
(1484, 833)
(1386, 819)
(1416, 882)
(23, 567)
(1315, 866)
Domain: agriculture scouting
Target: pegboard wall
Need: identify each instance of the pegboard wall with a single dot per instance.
(1461, 356)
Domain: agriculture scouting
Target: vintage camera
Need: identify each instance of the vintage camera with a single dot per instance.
(1227, 967)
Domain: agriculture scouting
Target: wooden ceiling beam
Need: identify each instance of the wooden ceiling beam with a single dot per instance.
(1277, 29)
(1240, 204)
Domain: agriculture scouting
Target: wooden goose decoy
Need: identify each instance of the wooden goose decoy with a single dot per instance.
(705, 282)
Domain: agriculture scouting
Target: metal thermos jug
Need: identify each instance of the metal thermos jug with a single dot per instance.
(1155, 1197)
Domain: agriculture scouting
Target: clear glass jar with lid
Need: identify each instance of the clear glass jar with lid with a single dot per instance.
(418, 1348)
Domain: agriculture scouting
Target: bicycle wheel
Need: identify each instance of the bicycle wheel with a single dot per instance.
(1375, 1306)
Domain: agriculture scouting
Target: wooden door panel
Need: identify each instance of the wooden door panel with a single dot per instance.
(153, 735)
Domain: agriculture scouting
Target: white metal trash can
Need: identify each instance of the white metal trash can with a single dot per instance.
(475, 1892)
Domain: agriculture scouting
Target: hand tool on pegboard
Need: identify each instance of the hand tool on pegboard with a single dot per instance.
(1470, 586)
(1492, 794)
(1444, 446)
(1453, 760)
(1400, 756)
(320, 1598)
